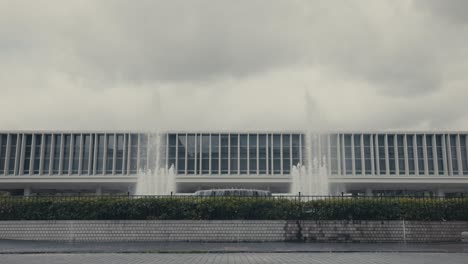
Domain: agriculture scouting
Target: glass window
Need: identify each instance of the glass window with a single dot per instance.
(348, 154)
(76, 153)
(410, 144)
(276, 154)
(430, 154)
(110, 153)
(27, 154)
(262, 153)
(214, 153)
(367, 154)
(47, 153)
(144, 152)
(243, 146)
(420, 147)
(66, 153)
(453, 151)
(85, 154)
(391, 153)
(357, 154)
(37, 153)
(205, 153)
(57, 153)
(224, 154)
(382, 155)
(3, 146)
(100, 154)
(333, 153)
(191, 154)
(234, 153)
(119, 154)
(401, 154)
(253, 154)
(134, 152)
(13, 153)
(464, 157)
(295, 149)
(286, 154)
(440, 154)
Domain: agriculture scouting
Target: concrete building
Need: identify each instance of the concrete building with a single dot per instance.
(48, 162)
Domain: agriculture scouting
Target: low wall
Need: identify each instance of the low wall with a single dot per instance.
(234, 230)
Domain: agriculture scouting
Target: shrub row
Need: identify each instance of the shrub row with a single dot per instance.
(174, 208)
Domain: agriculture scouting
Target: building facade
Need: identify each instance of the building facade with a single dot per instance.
(112, 162)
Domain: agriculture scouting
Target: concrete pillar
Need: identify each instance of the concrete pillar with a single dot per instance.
(27, 191)
(369, 192)
(99, 190)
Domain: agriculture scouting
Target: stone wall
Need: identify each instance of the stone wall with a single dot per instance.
(234, 230)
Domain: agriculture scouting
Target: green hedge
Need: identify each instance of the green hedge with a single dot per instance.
(232, 208)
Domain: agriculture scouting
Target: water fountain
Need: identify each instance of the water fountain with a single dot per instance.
(157, 179)
(233, 192)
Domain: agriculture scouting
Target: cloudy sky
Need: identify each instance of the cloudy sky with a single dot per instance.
(253, 64)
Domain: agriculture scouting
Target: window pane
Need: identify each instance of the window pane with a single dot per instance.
(440, 154)
(66, 154)
(119, 154)
(214, 154)
(357, 154)
(205, 153)
(348, 154)
(224, 154)
(134, 153)
(100, 154)
(401, 154)
(391, 153)
(420, 152)
(144, 152)
(333, 153)
(47, 153)
(453, 150)
(3, 145)
(430, 154)
(464, 154)
(191, 142)
(253, 154)
(262, 153)
(57, 153)
(382, 156)
(27, 154)
(410, 142)
(85, 154)
(110, 153)
(286, 154)
(13, 147)
(234, 152)
(243, 154)
(76, 153)
(276, 154)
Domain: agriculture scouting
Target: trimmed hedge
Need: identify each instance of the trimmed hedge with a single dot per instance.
(223, 208)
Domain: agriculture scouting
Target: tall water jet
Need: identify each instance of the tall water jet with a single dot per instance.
(156, 178)
(311, 177)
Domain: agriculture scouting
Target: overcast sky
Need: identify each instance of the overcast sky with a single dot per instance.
(373, 65)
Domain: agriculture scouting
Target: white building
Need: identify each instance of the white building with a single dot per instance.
(357, 162)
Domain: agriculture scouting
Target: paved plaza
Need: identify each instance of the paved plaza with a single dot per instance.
(232, 258)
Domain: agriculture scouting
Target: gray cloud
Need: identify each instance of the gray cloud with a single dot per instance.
(233, 64)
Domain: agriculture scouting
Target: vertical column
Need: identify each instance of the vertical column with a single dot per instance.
(268, 153)
(139, 150)
(371, 140)
(387, 156)
(196, 156)
(42, 157)
(448, 154)
(80, 155)
(329, 154)
(397, 155)
(353, 157)
(7, 154)
(124, 154)
(377, 155)
(186, 154)
(363, 157)
(104, 160)
(338, 152)
(281, 152)
(405, 144)
(95, 153)
(434, 154)
(21, 147)
(415, 154)
(444, 155)
(460, 162)
(290, 153)
(114, 154)
(258, 154)
(343, 150)
(33, 154)
(426, 159)
(238, 154)
(209, 156)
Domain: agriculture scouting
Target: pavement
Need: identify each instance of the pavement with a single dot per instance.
(233, 258)
(50, 247)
